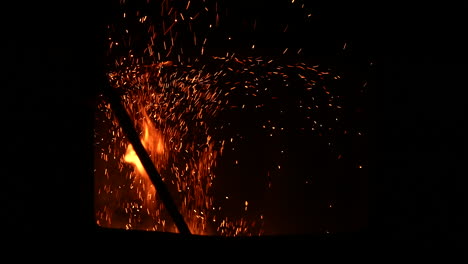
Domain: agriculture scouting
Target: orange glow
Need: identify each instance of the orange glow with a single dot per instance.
(132, 158)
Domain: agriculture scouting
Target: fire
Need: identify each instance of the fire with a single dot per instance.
(177, 106)
(132, 158)
(153, 141)
(179, 113)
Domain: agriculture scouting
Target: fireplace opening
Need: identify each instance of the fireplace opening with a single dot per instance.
(200, 135)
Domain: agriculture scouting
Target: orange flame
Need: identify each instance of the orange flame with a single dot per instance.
(153, 142)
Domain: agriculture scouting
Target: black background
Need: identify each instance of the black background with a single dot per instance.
(53, 65)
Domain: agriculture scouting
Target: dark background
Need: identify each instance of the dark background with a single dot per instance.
(53, 64)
